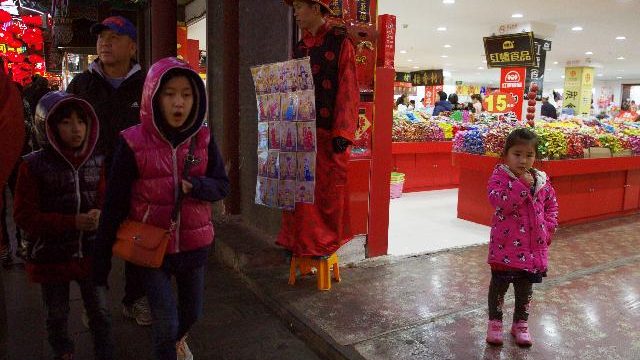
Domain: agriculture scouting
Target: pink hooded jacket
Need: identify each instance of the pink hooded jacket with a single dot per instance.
(523, 224)
(154, 194)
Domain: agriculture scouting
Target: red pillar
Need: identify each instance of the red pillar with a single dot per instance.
(381, 164)
(164, 20)
(231, 102)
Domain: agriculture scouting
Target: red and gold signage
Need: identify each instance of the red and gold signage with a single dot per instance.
(387, 41)
(512, 81)
(498, 102)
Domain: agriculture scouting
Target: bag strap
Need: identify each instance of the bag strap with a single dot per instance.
(189, 161)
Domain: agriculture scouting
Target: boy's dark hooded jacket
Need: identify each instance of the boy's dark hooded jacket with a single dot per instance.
(54, 185)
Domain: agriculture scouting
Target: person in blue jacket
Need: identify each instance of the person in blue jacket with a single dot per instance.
(442, 105)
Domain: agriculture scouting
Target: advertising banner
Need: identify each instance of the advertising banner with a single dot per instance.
(510, 50)
(512, 81)
(286, 133)
(578, 82)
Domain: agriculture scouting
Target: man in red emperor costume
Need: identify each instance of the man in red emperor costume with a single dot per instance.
(319, 229)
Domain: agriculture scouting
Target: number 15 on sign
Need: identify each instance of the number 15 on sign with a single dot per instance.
(498, 102)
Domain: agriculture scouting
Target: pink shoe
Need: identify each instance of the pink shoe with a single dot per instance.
(520, 330)
(494, 332)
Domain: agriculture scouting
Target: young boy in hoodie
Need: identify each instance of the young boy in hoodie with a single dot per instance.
(57, 202)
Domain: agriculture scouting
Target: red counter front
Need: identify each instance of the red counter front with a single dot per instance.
(587, 189)
(426, 165)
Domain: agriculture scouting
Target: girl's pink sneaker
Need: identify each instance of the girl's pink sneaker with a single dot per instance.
(520, 330)
(494, 332)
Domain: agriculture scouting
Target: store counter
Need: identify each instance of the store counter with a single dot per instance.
(587, 189)
(426, 165)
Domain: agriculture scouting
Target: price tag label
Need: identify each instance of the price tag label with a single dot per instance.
(499, 102)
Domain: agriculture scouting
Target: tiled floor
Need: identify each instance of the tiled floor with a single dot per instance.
(427, 221)
(434, 306)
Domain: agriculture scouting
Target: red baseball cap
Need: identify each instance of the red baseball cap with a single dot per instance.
(323, 3)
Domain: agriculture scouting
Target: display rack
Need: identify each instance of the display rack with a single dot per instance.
(426, 165)
(587, 189)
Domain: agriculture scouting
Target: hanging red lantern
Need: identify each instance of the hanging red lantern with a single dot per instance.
(14, 28)
(32, 20)
(34, 59)
(531, 102)
(4, 16)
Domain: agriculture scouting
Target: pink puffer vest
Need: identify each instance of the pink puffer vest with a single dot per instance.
(160, 168)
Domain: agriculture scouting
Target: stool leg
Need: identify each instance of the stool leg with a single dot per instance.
(324, 278)
(292, 271)
(336, 272)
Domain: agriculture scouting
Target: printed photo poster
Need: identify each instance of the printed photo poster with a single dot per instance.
(287, 194)
(263, 137)
(289, 109)
(306, 136)
(306, 167)
(261, 191)
(288, 166)
(306, 105)
(286, 149)
(289, 135)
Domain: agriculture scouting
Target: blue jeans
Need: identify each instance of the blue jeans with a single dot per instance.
(172, 320)
(56, 306)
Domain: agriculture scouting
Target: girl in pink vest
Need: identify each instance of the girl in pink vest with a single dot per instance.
(147, 178)
(526, 216)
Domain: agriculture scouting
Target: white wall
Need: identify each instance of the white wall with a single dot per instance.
(198, 31)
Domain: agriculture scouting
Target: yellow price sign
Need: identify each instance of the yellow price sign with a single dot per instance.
(498, 102)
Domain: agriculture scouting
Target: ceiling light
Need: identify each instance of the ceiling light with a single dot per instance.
(480, 68)
(444, 56)
(416, 67)
(589, 53)
(620, 58)
(403, 51)
(555, 63)
(599, 75)
(442, 28)
(621, 38)
(447, 45)
(517, 15)
(562, 76)
(448, 2)
(618, 77)
(410, 60)
(577, 28)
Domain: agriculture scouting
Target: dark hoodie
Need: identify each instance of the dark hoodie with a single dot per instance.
(154, 141)
(54, 185)
(442, 105)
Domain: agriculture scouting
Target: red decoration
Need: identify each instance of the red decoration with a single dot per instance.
(530, 116)
(32, 20)
(531, 109)
(532, 95)
(532, 103)
(4, 16)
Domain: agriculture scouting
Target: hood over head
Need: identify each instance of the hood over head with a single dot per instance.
(151, 117)
(48, 105)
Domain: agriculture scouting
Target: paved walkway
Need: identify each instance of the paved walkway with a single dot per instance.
(236, 325)
(434, 306)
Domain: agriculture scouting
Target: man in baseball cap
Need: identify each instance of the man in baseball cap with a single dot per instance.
(113, 86)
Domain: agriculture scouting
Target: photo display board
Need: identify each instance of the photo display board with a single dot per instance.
(286, 133)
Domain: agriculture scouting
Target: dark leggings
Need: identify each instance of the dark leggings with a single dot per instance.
(523, 290)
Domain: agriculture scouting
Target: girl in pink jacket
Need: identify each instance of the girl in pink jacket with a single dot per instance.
(526, 213)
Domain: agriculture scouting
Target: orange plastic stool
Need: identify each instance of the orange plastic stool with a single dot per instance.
(306, 263)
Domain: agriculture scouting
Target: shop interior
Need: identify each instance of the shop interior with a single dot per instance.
(448, 35)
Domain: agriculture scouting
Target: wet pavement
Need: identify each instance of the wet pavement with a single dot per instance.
(236, 326)
(434, 306)
(430, 306)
